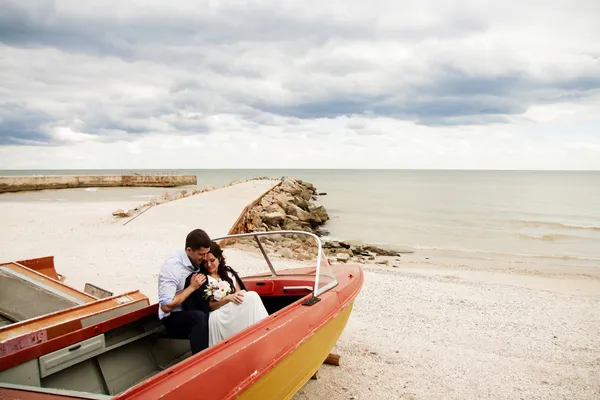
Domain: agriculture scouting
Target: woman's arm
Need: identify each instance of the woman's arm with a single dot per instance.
(236, 298)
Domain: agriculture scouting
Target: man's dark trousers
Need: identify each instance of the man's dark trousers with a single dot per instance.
(192, 325)
(192, 322)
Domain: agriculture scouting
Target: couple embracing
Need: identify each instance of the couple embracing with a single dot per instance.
(191, 305)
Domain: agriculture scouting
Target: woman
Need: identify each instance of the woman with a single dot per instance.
(236, 311)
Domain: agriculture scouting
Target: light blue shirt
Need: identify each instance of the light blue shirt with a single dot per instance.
(171, 279)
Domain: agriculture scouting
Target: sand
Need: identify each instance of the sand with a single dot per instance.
(429, 330)
(425, 326)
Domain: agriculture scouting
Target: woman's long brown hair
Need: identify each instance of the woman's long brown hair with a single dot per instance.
(223, 268)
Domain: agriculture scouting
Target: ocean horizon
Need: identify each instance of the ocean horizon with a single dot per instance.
(545, 216)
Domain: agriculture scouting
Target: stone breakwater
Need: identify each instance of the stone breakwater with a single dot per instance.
(292, 206)
(26, 183)
(288, 206)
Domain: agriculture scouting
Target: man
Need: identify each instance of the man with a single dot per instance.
(173, 291)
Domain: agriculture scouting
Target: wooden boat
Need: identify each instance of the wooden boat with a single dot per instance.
(130, 356)
(30, 288)
(36, 306)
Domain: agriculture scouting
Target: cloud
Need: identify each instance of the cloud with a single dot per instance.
(77, 72)
(20, 125)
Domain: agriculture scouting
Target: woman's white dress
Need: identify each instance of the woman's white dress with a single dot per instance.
(232, 318)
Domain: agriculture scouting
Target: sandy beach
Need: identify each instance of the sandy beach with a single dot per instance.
(425, 331)
(425, 326)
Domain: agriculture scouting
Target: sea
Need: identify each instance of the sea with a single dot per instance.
(548, 217)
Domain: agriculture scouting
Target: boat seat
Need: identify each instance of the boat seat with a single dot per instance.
(163, 334)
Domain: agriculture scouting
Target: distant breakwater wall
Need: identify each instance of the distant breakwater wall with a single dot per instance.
(23, 183)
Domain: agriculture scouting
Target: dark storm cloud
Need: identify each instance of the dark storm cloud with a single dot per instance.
(264, 62)
(452, 98)
(20, 125)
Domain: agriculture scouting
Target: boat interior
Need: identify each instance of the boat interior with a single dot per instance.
(26, 293)
(113, 361)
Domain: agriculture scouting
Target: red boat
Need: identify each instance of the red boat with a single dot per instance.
(131, 357)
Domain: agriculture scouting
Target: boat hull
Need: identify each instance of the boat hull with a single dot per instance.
(270, 361)
(284, 381)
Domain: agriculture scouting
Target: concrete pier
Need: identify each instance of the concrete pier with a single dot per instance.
(23, 183)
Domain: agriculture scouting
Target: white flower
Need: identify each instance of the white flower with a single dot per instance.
(218, 295)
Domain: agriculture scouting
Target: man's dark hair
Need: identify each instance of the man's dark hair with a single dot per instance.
(196, 239)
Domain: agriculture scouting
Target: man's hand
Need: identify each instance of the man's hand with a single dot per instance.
(197, 281)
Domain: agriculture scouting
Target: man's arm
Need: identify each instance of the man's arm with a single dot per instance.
(178, 299)
(168, 285)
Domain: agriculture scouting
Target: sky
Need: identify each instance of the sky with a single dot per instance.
(434, 84)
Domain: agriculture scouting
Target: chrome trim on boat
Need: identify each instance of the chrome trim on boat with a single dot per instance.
(264, 253)
(298, 288)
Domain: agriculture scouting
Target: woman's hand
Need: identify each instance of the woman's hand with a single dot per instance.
(236, 298)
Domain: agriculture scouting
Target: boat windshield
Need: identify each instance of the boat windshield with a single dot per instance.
(279, 253)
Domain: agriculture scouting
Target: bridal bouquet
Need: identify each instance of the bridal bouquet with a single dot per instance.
(215, 291)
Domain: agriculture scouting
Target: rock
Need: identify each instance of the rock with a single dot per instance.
(291, 187)
(287, 253)
(302, 203)
(346, 251)
(254, 218)
(267, 201)
(283, 199)
(379, 251)
(293, 209)
(343, 257)
(332, 245)
(273, 218)
(274, 208)
(305, 195)
(320, 212)
(291, 225)
(121, 213)
(385, 262)
(309, 186)
(321, 232)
